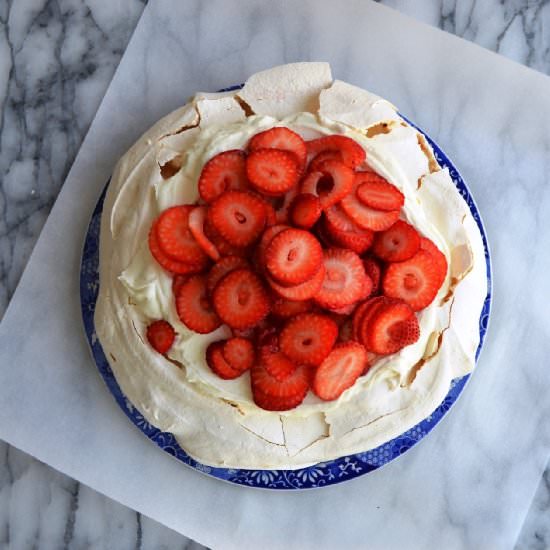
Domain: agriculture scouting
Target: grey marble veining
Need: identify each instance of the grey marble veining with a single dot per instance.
(56, 60)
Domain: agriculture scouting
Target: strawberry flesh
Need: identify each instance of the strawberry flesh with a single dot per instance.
(226, 171)
(194, 308)
(161, 335)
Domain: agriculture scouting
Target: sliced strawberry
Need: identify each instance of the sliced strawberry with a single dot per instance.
(281, 307)
(344, 311)
(352, 153)
(222, 246)
(332, 181)
(439, 258)
(238, 217)
(303, 291)
(374, 271)
(168, 263)
(293, 256)
(305, 210)
(358, 242)
(239, 353)
(365, 216)
(416, 281)
(226, 171)
(378, 193)
(272, 171)
(161, 335)
(196, 226)
(277, 364)
(175, 238)
(295, 384)
(344, 278)
(218, 364)
(267, 236)
(317, 160)
(339, 371)
(358, 318)
(308, 338)
(338, 221)
(398, 243)
(283, 210)
(270, 214)
(392, 327)
(194, 308)
(272, 403)
(284, 139)
(177, 282)
(222, 268)
(373, 305)
(240, 299)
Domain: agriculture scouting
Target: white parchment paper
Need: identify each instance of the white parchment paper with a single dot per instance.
(470, 482)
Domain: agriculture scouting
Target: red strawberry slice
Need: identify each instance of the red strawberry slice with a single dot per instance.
(358, 242)
(352, 153)
(177, 282)
(194, 308)
(378, 193)
(439, 258)
(281, 307)
(365, 216)
(272, 171)
(373, 305)
(344, 278)
(374, 271)
(305, 210)
(196, 226)
(175, 238)
(238, 217)
(303, 291)
(272, 403)
(218, 364)
(168, 263)
(332, 181)
(239, 353)
(339, 371)
(226, 171)
(338, 221)
(222, 268)
(284, 139)
(344, 311)
(296, 384)
(161, 335)
(416, 281)
(240, 299)
(222, 246)
(277, 364)
(283, 210)
(392, 327)
(317, 160)
(398, 243)
(358, 318)
(293, 256)
(267, 236)
(308, 338)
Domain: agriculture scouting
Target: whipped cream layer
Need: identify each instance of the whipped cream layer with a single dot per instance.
(215, 420)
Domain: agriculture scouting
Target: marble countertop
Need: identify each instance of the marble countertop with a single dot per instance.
(56, 61)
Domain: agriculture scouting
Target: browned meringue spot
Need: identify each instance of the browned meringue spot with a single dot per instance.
(178, 364)
(234, 405)
(112, 357)
(248, 111)
(171, 167)
(377, 129)
(432, 162)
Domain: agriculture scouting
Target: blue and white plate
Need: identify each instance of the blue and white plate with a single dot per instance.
(320, 475)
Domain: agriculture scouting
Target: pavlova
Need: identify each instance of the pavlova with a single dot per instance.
(287, 275)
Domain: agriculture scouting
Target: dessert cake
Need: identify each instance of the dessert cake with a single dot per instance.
(287, 275)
